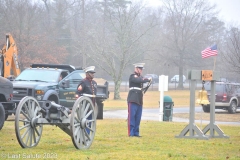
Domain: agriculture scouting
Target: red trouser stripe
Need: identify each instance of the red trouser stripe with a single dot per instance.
(129, 105)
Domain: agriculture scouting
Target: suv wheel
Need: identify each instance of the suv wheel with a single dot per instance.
(233, 107)
(6, 117)
(2, 116)
(206, 108)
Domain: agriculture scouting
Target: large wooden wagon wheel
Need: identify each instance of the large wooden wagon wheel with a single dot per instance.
(83, 123)
(27, 131)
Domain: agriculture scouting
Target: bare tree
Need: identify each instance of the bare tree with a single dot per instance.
(186, 24)
(231, 54)
(113, 34)
(122, 44)
(25, 20)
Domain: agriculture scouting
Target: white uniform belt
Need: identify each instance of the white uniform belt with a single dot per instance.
(135, 88)
(89, 95)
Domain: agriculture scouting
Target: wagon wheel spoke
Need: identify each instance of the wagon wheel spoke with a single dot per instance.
(86, 134)
(84, 139)
(25, 126)
(81, 108)
(83, 123)
(25, 108)
(86, 109)
(27, 130)
(35, 113)
(78, 111)
(89, 113)
(24, 120)
(25, 133)
(37, 131)
(25, 114)
(89, 129)
(34, 136)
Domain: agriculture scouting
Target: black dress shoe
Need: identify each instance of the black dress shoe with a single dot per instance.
(138, 136)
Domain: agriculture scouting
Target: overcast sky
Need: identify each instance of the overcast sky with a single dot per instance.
(229, 10)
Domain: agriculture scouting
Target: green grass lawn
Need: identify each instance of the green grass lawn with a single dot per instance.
(111, 142)
(151, 99)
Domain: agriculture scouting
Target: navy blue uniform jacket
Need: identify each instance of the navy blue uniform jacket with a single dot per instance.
(89, 87)
(136, 96)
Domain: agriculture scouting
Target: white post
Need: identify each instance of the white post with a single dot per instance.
(163, 86)
(161, 106)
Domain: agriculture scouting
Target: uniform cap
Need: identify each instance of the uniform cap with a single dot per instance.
(139, 65)
(89, 69)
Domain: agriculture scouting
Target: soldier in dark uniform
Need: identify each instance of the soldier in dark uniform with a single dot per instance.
(135, 99)
(88, 87)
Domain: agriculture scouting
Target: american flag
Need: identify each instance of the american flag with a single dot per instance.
(210, 51)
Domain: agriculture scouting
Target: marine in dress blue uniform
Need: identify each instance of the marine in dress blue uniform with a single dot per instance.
(88, 87)
(135, 99)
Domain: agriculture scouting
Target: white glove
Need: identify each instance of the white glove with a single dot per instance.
(150, 79)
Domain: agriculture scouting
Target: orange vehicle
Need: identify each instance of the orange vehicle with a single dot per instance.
(9, 58)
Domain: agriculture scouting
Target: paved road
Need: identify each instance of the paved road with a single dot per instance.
(153, 114)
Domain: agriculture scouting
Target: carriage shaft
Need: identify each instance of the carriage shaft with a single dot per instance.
(63, 125)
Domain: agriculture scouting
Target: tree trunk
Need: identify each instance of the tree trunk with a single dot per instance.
(180, 83)
(117, 90)
(84, 63)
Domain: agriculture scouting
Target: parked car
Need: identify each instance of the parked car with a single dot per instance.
(227, 96)
(6, 103)
(176, 79)
(155, 78)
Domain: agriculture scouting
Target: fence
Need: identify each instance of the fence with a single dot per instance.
(154, 87)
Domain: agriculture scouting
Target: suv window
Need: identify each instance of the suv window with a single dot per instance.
(220, 88)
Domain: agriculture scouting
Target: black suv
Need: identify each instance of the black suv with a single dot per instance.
(227, 96)
(6, 89)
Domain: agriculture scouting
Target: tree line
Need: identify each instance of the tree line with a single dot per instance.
(114, 34)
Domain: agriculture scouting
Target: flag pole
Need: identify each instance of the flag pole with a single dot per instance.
(214, 62)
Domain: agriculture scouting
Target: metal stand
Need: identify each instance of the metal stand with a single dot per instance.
(192, 128)
(194, 131)
(212, 127)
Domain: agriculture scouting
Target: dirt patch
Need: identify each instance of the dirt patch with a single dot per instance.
(219, 116)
